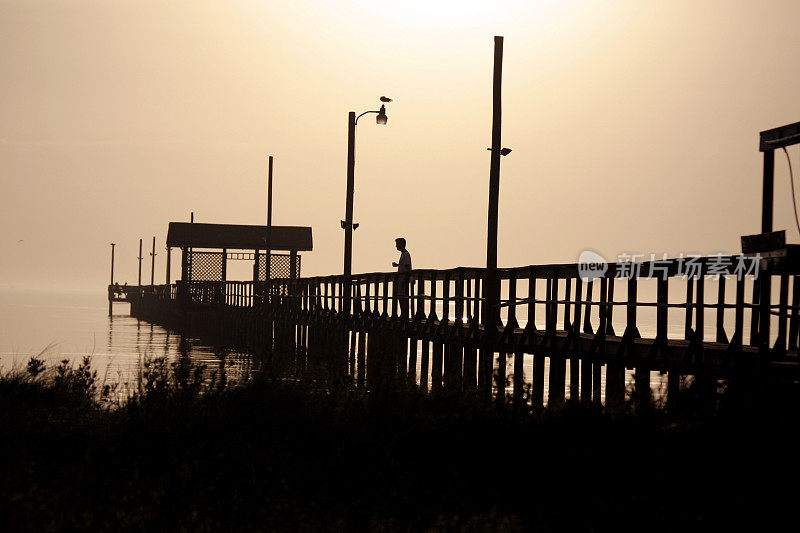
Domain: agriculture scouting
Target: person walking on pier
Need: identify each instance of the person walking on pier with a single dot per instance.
(403, 266)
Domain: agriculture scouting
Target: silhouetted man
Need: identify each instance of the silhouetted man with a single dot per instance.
(403, 266)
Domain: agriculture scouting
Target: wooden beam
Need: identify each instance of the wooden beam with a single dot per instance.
(779, 137)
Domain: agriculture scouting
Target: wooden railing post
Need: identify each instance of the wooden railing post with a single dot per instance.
(470, 376)
(575, 329)
(537, 386)
(518, 392)
(557, 362)
(586, 360)
(437, 350)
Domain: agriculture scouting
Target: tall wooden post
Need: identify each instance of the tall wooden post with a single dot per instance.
(169, 259)
(140, 262)
(113, 244)
(765, 279)
(191, 255)
(493, 289)
(491, 302)
(153, 263)
(268, 257)
(766, 197)
(110, 296)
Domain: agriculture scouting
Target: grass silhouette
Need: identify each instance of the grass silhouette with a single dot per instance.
(189, 451)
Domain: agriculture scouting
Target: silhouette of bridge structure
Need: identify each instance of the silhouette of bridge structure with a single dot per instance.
(712, 323)
(527, 335)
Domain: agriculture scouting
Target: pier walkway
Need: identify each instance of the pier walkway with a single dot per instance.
(712, 318)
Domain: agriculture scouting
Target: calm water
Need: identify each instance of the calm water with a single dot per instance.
(71, 325)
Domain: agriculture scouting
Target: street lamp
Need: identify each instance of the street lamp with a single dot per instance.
(382, 118)
(347, 223)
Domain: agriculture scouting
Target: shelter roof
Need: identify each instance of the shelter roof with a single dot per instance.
(237, 236)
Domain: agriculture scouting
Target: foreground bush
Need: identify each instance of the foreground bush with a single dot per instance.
(185, 451)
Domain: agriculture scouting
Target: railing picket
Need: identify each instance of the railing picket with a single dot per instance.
(385, 295)
(610, 307)
(537, 380)
(512, 324)
(720, 326)
(468, 299)
(575, 359)
(557, 363)
(601, 329)
(436, 351)
(586, 358)
(587, 317)
(779, 347)
(642, 368)
(662, 311)
(689, 308)
(470, 373)
(700, 305)
(754, 319)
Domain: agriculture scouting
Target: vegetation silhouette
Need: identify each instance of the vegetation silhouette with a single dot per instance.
(189, 450)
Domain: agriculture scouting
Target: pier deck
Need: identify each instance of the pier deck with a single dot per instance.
(434, 331)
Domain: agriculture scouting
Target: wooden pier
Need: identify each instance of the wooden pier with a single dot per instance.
(713, 322)
(580, 337)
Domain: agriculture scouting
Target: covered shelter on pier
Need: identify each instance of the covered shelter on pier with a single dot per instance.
(207, 249)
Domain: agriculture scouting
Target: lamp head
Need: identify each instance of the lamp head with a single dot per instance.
(382, 118)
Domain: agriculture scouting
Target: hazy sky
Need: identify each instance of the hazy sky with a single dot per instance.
(634, 127)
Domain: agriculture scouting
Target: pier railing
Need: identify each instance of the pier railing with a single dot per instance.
(709, 317)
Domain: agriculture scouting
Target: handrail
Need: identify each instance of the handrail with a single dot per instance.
(565, 300)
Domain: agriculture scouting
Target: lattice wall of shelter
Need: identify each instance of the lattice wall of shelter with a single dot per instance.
(206, 266)
(280, 266)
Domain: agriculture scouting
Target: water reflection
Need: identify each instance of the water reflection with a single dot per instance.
(60, 325)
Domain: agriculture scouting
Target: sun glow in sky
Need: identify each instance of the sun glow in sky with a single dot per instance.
(633, 125)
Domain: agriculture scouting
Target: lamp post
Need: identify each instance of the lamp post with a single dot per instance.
(347, 223)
